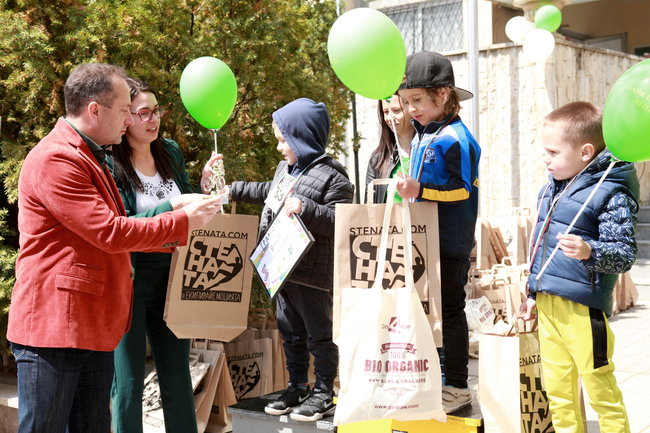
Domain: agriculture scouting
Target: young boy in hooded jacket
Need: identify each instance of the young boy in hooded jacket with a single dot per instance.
(574, 295)
(309, 183)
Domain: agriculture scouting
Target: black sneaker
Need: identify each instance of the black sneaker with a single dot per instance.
(292, 397)
(316, 407)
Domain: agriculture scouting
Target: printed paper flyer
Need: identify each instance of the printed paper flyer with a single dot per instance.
(280, 250)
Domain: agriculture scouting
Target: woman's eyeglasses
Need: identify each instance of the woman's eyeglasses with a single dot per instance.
(147, 115)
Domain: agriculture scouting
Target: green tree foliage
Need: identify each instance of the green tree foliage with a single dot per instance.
(276, 49)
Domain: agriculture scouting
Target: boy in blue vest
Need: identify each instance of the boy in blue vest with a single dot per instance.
(444, 168)
(574, 294)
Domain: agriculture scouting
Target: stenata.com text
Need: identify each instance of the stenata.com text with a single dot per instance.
(220, 234)
(357, 231)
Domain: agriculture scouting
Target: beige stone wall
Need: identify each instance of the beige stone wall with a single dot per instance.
(515, 94)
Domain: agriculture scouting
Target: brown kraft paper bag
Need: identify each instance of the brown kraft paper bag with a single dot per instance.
(250, 363)
(356, 244)
(209, 287)
(510, 390)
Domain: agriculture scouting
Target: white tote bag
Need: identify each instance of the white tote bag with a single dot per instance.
(389, 366)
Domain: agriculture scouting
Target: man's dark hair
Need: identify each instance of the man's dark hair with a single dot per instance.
(90, 82)
(124, 171)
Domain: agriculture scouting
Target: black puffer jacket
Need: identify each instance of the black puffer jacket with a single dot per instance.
(319, 188)
(323, 182)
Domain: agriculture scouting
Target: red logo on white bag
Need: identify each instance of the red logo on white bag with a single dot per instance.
(394, 325)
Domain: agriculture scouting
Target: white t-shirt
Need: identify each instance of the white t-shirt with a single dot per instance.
(155, 191)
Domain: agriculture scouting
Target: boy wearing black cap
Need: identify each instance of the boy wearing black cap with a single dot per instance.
(444, 169)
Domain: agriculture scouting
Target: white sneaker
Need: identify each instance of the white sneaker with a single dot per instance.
(454, 399)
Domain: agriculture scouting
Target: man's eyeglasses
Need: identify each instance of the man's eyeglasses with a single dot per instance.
(147, 115)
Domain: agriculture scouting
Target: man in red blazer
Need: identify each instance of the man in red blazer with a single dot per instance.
(71, 303)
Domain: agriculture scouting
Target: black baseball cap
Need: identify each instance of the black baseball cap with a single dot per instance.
(430, 69)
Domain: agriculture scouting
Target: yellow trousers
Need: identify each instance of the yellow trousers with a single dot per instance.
(576, 341)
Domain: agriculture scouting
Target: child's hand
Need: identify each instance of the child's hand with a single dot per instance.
(574, 246)
(527, 308)
(293, 205)
(407, 187)
(206, 169)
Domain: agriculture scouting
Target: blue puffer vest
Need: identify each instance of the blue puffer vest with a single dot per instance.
(568, 277)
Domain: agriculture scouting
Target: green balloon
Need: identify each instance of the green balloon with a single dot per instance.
(208, 91)
(366, 51)
(548, 18)
(626, 116)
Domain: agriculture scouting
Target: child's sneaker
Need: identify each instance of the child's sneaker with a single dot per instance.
(291, 398)
(316, 407)
(454, 399)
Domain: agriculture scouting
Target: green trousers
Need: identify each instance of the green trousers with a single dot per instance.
(171, 358)
(577, 340)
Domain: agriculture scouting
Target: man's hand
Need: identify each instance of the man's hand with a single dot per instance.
(183, 200)
(407, 187)
(206, 169)
(200, 212)
(293, 205)
(574, 246)
(527, 308)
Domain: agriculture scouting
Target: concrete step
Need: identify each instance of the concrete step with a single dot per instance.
(640, 272)
(644, 250)
(643, 232)
(8, 408)
(644, 214)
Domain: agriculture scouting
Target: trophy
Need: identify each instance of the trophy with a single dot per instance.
(216, 182)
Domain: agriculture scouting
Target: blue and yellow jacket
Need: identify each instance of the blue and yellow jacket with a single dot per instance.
(444, 159)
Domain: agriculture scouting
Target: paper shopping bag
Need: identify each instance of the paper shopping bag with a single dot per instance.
(220, 420)
(510, 390)
(204, 399)
(249, 364)
(210, 284)
(625, 293)
(389, 366)
(356, 240)
(202, 368)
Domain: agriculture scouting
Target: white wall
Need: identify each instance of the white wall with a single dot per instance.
(514, 96)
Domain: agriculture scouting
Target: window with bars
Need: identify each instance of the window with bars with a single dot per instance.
(432, 26)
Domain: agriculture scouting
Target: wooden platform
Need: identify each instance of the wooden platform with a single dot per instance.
(249, 416)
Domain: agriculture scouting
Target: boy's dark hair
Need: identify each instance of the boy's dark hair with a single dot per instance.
(90, 82)
(122, 153)
(452, 105)
(582, 123)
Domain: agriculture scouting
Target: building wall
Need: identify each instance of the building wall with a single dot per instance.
(514, 96)
(610, 17)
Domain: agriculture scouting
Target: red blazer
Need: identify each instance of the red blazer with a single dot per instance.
(74, 286)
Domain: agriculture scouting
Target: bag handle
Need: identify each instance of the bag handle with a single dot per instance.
(519, 316)
(371, 188)
(406, 236)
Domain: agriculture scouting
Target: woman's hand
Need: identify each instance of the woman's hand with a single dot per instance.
(206, 170)
(407, 187)
(183, 200)
(293, 205)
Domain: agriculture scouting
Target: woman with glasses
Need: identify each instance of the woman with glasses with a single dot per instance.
(150, 174)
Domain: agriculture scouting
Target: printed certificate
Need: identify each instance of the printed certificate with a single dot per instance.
(280, 250)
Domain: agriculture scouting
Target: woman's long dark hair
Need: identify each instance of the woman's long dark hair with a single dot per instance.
(122, 154)
(382, 156)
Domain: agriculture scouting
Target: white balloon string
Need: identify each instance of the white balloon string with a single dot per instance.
(214, 131)
(614, 161)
